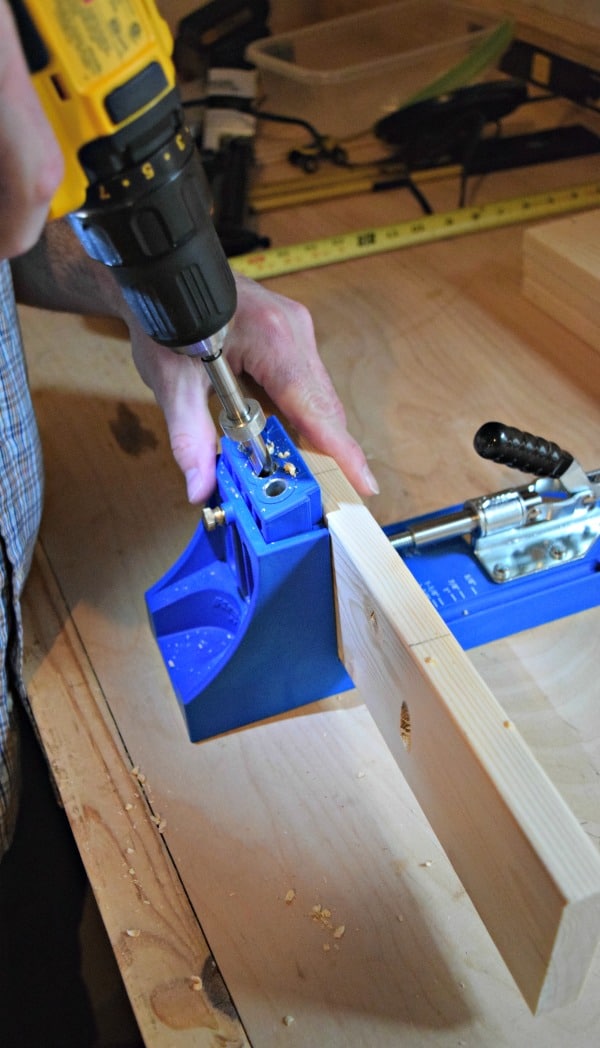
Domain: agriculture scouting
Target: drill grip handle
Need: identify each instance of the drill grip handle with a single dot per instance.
(513, 447)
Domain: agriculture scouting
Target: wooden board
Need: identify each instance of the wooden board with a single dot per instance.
(528, 867)
(561, 272)
(174, 989)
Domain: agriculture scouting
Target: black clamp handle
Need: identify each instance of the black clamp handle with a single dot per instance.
(513, 447)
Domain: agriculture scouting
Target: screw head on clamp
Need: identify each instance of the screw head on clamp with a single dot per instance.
(213, 517)
(500, 573)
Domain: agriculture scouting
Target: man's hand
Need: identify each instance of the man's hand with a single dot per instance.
(31, 163)
(272, 339)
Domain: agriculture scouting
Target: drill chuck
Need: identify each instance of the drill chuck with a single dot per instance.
(147, 216)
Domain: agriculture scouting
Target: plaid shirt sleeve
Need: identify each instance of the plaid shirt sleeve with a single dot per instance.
(20, 511)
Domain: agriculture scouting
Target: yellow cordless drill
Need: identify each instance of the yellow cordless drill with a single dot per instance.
(134, 188)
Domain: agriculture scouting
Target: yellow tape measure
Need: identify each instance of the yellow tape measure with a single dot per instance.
(275, 262)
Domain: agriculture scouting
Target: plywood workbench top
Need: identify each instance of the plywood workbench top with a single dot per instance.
(224, 849)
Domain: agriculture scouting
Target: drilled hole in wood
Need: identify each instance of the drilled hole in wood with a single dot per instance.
(405, 730)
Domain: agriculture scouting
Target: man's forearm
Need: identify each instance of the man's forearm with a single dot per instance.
(57, 274)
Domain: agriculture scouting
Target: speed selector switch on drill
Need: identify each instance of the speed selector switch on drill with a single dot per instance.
(134, 187)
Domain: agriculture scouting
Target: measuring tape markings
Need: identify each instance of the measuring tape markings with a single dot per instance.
(344, 247)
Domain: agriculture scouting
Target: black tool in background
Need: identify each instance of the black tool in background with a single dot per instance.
(562, 76)
(449, 130)
(538, 147)
(426, 133)
(217, 34)
(229, 173)
(424, 125)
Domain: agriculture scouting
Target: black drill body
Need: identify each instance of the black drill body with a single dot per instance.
(156, 233)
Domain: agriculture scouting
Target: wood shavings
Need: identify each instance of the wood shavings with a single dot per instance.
(196, 982)
(427, 863)
(133, 933)
(159, 822)
(129, 806)
(288, 1020)
(360, 774)
(290, 468)
(321, 915)
(137, 774)
(290, 896)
